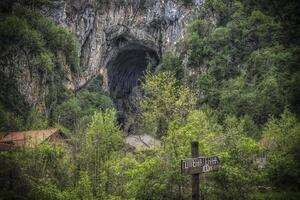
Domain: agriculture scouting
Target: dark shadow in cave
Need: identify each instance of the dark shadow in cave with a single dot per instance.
(124, 73)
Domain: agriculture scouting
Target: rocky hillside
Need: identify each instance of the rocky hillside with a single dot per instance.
(108, 37)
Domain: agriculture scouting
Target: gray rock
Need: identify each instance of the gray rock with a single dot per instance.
(116, 39)
(142, 142)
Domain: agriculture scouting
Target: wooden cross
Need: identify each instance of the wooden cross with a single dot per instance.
(197, 165)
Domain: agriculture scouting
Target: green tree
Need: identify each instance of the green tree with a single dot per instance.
(102, 139)
(163, 100)
(281, 138)
(84, 188)
(172, 62)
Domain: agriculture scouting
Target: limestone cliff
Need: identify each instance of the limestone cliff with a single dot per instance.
(117, 37)
(106, 28)
(116, 41)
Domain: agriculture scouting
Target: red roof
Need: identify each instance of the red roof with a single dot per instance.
(28, 138)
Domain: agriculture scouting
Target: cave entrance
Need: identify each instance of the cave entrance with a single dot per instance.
(125, 71)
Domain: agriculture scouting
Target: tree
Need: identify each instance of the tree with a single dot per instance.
(84, 188)
(172, 62)
(163, 100)
(281, 138)
(102, 139)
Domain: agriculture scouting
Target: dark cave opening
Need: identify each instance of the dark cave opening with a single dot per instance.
(125, 72)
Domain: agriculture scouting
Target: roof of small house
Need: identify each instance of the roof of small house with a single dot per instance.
(28, 138)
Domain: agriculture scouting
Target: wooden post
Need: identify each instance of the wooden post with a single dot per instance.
(195, 177)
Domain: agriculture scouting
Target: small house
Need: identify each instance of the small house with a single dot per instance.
(25, 139)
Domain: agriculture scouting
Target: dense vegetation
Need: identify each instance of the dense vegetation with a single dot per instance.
(49, 53)
(29, 42)
(237, 95)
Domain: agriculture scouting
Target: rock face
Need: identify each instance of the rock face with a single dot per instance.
(118, 39)
(106, 29)
(142, 142)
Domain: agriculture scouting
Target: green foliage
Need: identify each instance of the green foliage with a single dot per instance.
(41, 172)
(11, 100)
(39, 38)
(58, 40)
(77, 110)
(197, 50)
(102, 140)
(146, 182)
(277, 195)
(281, 139)
(163, 100)
(68, 113)
(16, 32)
(44, 63)
(103, 133)
(30, 42)
(171, 62)
(84, 188)
(262, 89)
(49, 191)
(36, 121)
(9, 120)
(229, 142)
(242, 69)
